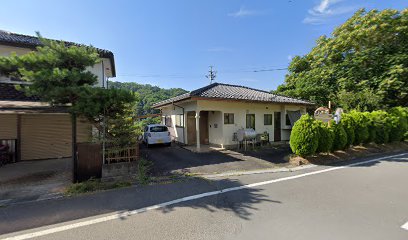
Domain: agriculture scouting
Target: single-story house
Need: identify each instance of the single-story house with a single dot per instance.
(212, 114)
(33, 129)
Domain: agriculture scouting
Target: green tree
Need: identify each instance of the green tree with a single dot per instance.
(57, 73)
(363, 65)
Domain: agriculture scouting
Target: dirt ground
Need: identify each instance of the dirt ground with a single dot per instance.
(33, 180)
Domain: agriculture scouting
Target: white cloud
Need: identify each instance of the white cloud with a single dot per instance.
(242, 12)
(325, 10)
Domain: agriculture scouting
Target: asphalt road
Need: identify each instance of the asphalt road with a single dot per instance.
(365, 201)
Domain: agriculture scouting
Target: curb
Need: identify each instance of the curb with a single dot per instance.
(268, 170)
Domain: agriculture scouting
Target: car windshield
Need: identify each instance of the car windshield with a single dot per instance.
(158, 129)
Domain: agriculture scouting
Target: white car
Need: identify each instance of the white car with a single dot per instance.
(156, 134)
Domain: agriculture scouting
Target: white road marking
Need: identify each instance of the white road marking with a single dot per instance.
(405, 226)
(96, 220)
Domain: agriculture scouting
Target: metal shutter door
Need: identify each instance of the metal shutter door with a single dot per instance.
(8, 126)
(45, 136)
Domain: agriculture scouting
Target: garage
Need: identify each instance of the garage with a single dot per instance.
(34, 136)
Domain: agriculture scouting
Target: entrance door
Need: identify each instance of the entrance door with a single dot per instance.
(277, 126)
(191, 128)
(250, 121)
(204, 127)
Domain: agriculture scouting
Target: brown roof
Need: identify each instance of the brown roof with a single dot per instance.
(233, 92)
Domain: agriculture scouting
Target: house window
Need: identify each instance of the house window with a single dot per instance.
(267, 119)
(250, 121)
(228, 118)
(168, 121)
(179, 120)
(288, 120)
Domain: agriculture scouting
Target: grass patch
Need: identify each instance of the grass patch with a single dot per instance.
(94, 185)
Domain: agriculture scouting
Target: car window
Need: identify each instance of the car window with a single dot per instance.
(158, 129)
(146, 129)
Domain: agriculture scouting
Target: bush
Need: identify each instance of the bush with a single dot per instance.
(361, 133)
(304, 138)
(143, 168)
(326, 136)
(399, 123)
(370, 127)
(348, 125)
(382, 124)
(340, 137)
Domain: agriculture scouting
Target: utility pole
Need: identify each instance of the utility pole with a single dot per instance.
(212, 74)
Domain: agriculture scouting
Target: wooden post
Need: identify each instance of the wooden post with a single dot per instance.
(74, 149)
(197, 117)
(18, 150)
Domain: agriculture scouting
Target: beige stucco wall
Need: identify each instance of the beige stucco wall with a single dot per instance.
(172, 110)
(223, 134)
(97, 69)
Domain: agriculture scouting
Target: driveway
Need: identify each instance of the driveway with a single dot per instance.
(175, 159)
(33, 180)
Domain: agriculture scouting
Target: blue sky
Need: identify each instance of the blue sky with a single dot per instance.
(172, 43)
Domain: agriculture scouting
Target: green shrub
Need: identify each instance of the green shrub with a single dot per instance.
(399, 123)
(304, 138)
(361, 133)
(340, 137)
(348, 125)
(382, 124)
(370, 127)
(143, 168)
(326, 136)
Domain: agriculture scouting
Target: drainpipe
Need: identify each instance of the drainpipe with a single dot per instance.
(104, 117)
(184, 124)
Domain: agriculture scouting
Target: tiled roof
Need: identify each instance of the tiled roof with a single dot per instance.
(234, 92)
(9, 92)
(20, 40)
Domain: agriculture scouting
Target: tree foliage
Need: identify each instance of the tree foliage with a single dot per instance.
(304, 138)
(363, 65)
(148, 95)
(57, 73)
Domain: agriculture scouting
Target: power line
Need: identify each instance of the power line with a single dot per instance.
(178, 75)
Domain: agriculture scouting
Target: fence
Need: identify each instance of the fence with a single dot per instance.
(122, 155)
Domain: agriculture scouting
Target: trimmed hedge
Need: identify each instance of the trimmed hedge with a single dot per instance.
(348, 124)
(304, 138)
(340, 137)
(310, 136)
(326, 137)
(361, 133)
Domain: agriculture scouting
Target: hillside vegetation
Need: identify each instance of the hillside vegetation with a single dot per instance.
(147, 94)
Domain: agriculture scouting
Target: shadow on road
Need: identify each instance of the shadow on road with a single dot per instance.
(36, 214)
(239, 202)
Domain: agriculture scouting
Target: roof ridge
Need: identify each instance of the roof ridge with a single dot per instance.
(66, 42)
